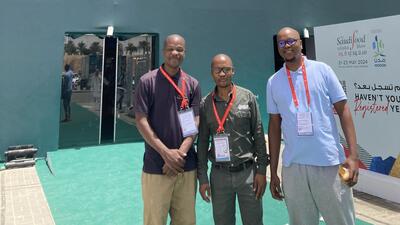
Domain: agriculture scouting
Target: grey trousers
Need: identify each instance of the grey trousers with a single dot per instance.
(225, 186)
(313, 190)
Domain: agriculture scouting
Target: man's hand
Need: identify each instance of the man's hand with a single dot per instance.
(343, 110)
(275, 187)
(259, 184)
(174, 159)
(352, 165)
(205, 192)
(168, 171)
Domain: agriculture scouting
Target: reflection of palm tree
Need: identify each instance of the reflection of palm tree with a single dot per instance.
(95, 48)
(82, 48)
(145, 46)
(120, 49)
(70, 48)
(131, 48)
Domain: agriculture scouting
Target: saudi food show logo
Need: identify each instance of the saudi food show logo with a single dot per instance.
(353, 41)
(378, 48)
(352, 50)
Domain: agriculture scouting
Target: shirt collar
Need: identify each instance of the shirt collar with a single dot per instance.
(299, 70)
(176, 76)
(219, 99)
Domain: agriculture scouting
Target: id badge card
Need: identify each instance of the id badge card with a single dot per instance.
(304, 124)
(188, 123)
(221, 146)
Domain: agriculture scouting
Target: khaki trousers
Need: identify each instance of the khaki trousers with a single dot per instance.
(174, 195)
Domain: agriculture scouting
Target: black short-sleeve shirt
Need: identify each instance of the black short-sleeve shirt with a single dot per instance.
(158, 99)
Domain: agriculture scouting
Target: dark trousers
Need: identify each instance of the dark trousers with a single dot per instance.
(67, 104)
(225, 186)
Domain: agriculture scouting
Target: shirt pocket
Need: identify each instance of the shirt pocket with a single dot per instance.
(243, 120)
(243, 114)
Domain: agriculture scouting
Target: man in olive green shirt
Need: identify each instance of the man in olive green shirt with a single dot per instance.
(230, 117)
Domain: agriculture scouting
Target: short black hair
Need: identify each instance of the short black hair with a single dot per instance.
(66, 67)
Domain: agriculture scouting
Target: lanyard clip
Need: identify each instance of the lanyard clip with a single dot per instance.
(220, 130)
(185, 103)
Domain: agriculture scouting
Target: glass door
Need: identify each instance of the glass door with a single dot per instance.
(98, 86)
(81, 90)
(136, 56)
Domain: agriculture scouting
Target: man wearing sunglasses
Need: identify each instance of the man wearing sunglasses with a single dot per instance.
(301, 97)
(230, 118)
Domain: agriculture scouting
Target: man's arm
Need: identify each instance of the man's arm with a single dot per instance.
(257, 131)
(174, 159)
(188, 141)
(203, 143)
(185, 146)
(274, 145)
(259, 137)
(346, 121)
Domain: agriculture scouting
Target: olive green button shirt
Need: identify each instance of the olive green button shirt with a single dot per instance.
(244, 126)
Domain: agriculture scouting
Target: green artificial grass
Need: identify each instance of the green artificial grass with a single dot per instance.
(102, 185)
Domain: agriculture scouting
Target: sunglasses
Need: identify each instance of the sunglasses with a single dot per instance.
(290, 42)
(218, 70)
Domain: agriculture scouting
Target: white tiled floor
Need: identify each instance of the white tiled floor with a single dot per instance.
(22, 198)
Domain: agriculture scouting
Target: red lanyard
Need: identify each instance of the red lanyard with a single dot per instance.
(221, 122)
(303, 69)
(185, 101)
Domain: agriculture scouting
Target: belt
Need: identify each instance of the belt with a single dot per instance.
(237, 168)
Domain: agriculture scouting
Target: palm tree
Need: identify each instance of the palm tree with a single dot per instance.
(131, 48)
(145, 46)
(82, 48)
(120, 49)
(70, 48)
(95, 48)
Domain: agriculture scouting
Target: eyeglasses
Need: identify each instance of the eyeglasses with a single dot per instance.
(218, 70)
(290, 42)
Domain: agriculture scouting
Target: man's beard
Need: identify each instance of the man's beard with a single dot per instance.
(290, 60)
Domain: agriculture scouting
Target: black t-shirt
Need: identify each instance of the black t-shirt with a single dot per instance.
(158, 99)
